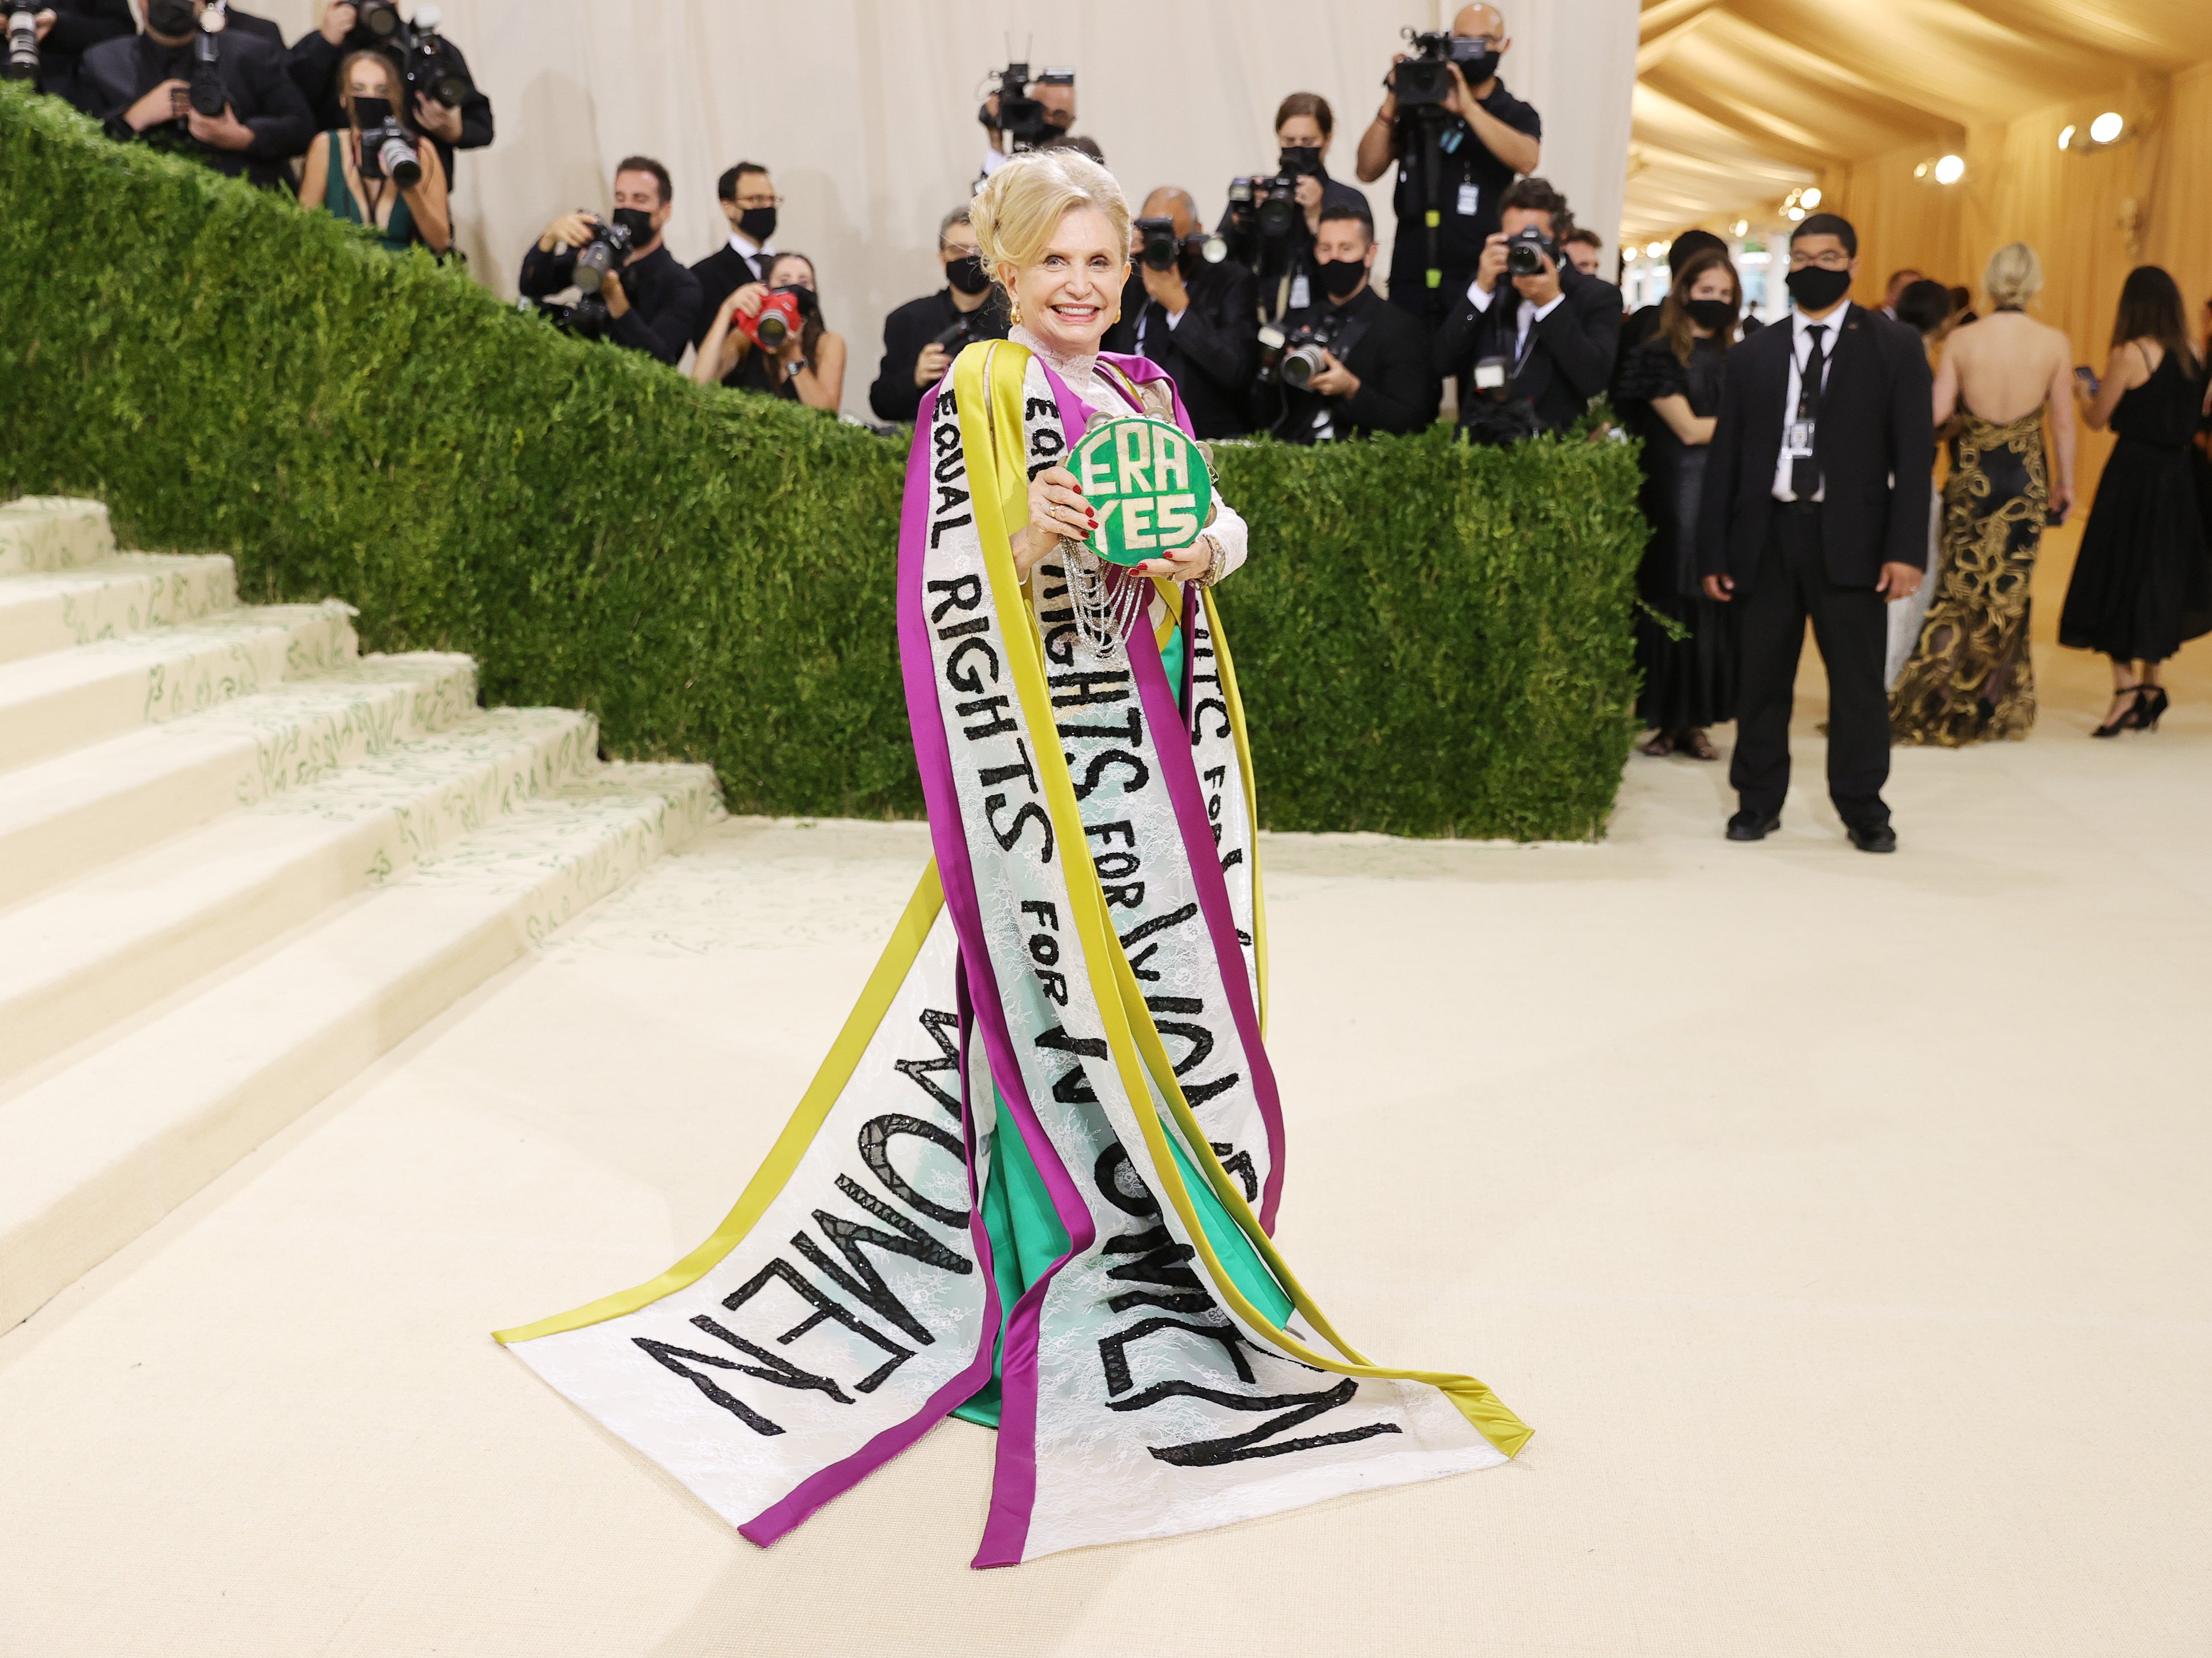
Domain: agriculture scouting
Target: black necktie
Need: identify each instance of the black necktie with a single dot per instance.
(1804, 472)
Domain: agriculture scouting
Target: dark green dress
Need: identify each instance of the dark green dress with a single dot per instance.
(339, 200)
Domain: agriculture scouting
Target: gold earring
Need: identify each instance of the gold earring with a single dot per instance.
(1014, 308)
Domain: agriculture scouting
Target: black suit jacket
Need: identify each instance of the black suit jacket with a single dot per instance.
(314, 64)
(1875, 445)
(721, 274)
(895, 397)
(1570, 352)
(1397, 393)
(1212, 352)
(116, 73)
(664, 298)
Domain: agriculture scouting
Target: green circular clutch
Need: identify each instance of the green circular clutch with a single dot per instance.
(1148, 483)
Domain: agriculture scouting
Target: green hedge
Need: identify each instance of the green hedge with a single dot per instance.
(1433, 640)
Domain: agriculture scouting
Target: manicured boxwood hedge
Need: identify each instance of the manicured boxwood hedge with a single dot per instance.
(1432, 639)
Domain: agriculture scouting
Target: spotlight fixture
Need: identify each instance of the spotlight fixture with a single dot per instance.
(2066, 135)
(1740, 227)
(1950, 169)
(2107, 127)
(1794, 215)
(1811, 198)
(1655, 249)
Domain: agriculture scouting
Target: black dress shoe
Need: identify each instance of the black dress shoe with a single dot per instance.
(1751, 826)
(1880, 838)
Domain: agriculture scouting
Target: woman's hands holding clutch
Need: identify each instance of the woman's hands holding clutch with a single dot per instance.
(1057, 508)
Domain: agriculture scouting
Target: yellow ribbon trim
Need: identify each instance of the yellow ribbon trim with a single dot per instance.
(783, 1158)
(989, 392)
(1251, 796)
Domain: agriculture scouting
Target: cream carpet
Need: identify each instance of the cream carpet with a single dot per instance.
(1839, 1224)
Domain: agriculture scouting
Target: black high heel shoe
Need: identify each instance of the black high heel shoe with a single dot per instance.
(2128, 717)
(2152, 703)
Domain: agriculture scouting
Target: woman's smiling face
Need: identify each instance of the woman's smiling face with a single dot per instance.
(1069, 296)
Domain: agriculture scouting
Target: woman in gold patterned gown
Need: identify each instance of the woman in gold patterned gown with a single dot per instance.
(1970, 679)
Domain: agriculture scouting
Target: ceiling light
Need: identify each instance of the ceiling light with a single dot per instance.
(1811, 198)
(2106, 127)
(2066, 136)
(1795, 213)
(1920, 171)
(1950, 169)
(1742, 226)
(1655, 249)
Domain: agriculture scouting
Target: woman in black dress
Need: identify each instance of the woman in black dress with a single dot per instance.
(2142, 582)
(809, 368)
(1670, 393)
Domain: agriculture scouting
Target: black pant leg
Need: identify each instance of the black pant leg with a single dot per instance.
(1852, 627)
(1770, 635)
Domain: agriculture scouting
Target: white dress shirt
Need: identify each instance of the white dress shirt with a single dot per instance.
(1801, 353)
(752, 253)
(1530, 314)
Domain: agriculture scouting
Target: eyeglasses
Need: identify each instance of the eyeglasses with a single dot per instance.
(1830, 258)
(760, 200)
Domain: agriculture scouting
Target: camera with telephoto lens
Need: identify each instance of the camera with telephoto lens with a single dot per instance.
(1021, 119)
(1269, 206)
(609, 247)
(1159, 246)
(1292, 358)
(1526, 250)
(388, 148)
(780, 317)
(24, 39)
(205, 86)
(1425, 76)
(428, 63)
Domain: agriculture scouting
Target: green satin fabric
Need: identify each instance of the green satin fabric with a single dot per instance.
(1027, 1238)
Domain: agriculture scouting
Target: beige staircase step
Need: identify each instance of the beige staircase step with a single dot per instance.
(91, 1157)
(92, 805)
(128, 593)
(77, 959)
(65, 699)
(51, 532)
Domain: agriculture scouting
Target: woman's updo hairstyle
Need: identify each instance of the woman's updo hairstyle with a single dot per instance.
(1019, 207)
(2014, 275)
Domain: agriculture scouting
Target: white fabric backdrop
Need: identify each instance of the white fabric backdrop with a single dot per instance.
(866, 111)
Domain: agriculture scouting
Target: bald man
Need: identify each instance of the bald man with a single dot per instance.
(1196, 319)
(1484, 138)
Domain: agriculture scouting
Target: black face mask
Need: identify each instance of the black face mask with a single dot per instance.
(757, 225)
(1477, 62)
(966, 273)
(370, 114)
(637, 222)
(1340, 278)
(1300, 161)
(1719, 315)
(171, 16)
(1816, 289)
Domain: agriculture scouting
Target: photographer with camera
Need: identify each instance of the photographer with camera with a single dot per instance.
(386, 176)
(1020, 113)
(222, 99)
(1192, 315)
(1354, 364)
(747, 198)
(60, 33)
(1270, 223)
(769, 337)
(1533, 335)
(441, 99)
(634, 294)
(1458, 139)
(922, 337)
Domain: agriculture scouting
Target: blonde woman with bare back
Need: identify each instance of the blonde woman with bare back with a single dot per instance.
(1971, 679)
